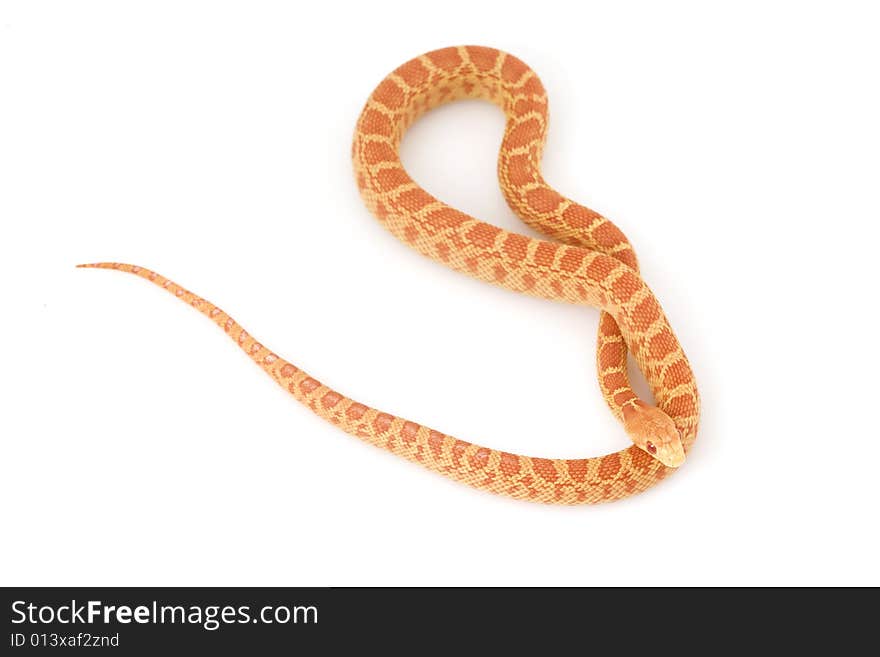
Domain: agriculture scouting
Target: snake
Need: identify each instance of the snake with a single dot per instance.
(584, 260)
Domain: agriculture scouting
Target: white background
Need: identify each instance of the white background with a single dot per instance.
(737, 147)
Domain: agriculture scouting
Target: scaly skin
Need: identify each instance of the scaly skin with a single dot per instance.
(590, 262)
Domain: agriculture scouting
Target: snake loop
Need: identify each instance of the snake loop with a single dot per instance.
(586, 260)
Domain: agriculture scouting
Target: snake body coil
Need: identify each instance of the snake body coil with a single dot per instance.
(587, 261)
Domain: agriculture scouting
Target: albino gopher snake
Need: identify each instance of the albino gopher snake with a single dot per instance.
(589, 262)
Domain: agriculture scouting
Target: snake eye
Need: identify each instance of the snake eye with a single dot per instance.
(650, 447)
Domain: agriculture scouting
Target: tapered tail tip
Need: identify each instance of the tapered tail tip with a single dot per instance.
(95, 265)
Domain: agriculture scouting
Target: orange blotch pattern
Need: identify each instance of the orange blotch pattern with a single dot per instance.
(355, 411)
(543, 200)
(544, 469)
(376, 152)
(435, 443)
(409, 432)
(509, 464)
(413, 73)
(611, 355)
(662, 344)
(572, 259)
(480, 458)
(614, 381)
(415, 199)
(626, 286)
(382, 423)
(389, 94)
(309, 385)
(676, 374)
(533, 87)
(483, 235)
(331, 399)
(545, 253)
(484, 59)
(609, 466)
(520, 170)
(608, 235)
(578, 217)
(681, 406)
(515, 246)
(445, 218)
(513, 69)
(446, 58)
(390, 179)
(578, 469)
(600, 268)
(526, 105)
(375, 123)
(458, 451)
(523, 134)
(641, 460)
(646, 312)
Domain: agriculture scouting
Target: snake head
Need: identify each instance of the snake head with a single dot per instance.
(653, 431)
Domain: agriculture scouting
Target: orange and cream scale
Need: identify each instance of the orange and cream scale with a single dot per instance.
(585, 260)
